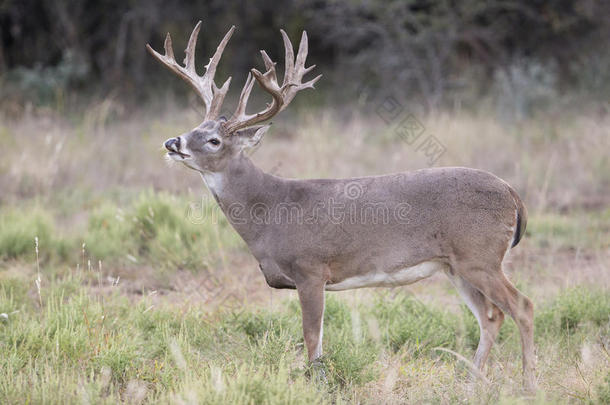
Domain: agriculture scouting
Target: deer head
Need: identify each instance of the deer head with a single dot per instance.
(217, 140)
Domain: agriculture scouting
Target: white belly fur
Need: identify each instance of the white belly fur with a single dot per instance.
(405, 276)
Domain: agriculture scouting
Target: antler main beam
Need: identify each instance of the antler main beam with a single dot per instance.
(282, 95)
(204, 86)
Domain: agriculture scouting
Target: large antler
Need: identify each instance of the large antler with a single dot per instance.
(205, 87)
(282, 95)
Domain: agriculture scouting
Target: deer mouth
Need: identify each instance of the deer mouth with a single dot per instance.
(178, 154)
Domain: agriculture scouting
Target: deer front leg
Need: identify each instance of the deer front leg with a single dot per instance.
(311, 296)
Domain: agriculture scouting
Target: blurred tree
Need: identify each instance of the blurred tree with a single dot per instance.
(429, 49)
(425, 46)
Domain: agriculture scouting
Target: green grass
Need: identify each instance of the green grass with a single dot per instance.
(108, 349)
(604, 391)
(76, 339)
(85, 344)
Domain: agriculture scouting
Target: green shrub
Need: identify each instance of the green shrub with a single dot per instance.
(258, 324)
(349, 358)
(19, 228)
(108, 234)
(156, 229)
(349, 362)
(166, 235)
(336, 313)
(408, 321)
(13, 292)
(572, 309)
(603, 391)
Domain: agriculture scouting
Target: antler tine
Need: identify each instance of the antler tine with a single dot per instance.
(167, 45)
(244, 96)
(210, 68)
(204, 86)
(217, 94)
(282, 96)
(303, 49)
(288, 58)
(218, 97)
(269, 65)
(189, 58)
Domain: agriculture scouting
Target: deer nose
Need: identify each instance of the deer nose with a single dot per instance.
(172, 144)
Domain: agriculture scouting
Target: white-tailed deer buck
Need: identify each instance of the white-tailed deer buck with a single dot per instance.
(327, 234)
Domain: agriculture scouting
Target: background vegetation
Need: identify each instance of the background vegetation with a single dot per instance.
(519, 53)
(121, 281)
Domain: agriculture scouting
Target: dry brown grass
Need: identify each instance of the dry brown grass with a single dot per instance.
(554, 162)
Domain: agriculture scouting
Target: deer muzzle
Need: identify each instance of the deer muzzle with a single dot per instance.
(173, 146)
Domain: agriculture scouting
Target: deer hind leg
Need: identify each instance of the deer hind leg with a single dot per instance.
(488, 315)
(495, 286)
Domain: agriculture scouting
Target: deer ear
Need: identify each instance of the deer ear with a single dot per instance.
(250, 137)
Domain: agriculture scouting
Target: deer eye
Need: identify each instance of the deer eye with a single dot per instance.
(214, 141)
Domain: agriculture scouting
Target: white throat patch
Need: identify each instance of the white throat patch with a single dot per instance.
(214, 181)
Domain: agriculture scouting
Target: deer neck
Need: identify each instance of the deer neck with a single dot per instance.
(238, 182)
(239, 188)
